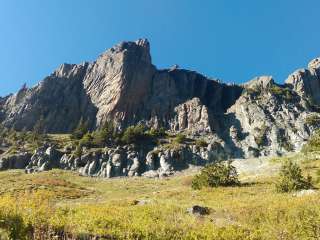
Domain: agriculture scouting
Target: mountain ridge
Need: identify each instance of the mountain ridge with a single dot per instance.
(256, 118)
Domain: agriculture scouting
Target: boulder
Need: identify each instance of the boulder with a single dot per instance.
(16, 161)
(44, 159)
(198, 211)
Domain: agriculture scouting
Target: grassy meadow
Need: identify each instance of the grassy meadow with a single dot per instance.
(63, 205)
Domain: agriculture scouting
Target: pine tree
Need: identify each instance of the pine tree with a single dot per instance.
(104, 135)
(80, 130)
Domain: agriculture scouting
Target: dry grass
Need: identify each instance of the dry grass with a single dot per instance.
(82, 206)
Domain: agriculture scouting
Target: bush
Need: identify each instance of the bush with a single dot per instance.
(313, 120)
(291, 179)
(216, 174)
(104, 135)
(180, 138)
(134, 134)
(156, 133)
(86, 140)
(80, 130)
(284, 93)
(313, 143)
(201, 143)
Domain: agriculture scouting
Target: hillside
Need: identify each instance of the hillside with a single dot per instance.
(61, 203)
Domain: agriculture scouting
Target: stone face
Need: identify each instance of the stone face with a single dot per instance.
(254, 119)
(306, 82)
(44, 159)
(16, 161)
(122, 85)
(60, 99)
(267, 122)
(127, 161)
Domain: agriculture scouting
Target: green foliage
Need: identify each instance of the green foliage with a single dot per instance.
(201, 143)
(134, 135)
(216, 174)
(37, 135)
(180, 138)
(38, 128)
(86, 140)
(291, 178)
(78, 151)
(252, 91)
(106, 134)
(284, 93)
(156, 132)
(313, 143)
(313, 120)
(80, 130)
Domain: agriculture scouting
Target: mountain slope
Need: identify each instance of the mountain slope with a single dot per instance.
(123, 86)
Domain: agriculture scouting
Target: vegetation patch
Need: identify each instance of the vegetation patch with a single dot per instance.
(281, 92)
(201, 143)
(313, 120)
(313, 144)
(260, 137)
(216, 174)
(291, 178)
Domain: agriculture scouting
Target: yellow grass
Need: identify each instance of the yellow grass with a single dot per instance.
(63, 203)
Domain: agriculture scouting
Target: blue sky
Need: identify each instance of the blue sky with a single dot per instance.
(231, 40)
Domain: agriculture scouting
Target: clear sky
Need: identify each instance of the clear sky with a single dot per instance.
(233, 40)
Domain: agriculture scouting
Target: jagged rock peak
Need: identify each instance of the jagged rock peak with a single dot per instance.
(314, 64)
(261, 82)
(139, 48)
(67, 70)
(306, 82)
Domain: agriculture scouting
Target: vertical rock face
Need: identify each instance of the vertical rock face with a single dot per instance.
(59, 99)
(267, 120)
(123, 86)
(306, 82)
(119, 82)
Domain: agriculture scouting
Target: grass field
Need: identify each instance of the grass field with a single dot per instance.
(56, 204)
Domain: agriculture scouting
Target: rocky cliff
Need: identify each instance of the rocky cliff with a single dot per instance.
(258, 118)
(122, 86)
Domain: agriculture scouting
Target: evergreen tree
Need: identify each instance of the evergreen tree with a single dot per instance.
(80, 130)
(104, 135)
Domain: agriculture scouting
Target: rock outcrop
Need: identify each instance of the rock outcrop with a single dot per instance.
(122, 86)
(44, 159)
(306, 82)
(254, 119)
(267, 119)
(15, 161)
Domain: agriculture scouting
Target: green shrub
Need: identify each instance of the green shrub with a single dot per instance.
(313, 143)
(80, 130)
(313, 120)
(134, 134)
(156, 132)
(78, 151)
(201, 143)
(216, 174)
(291, 179)
(86, 140)
(281, 92)
(106, 134)
(180, 138)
